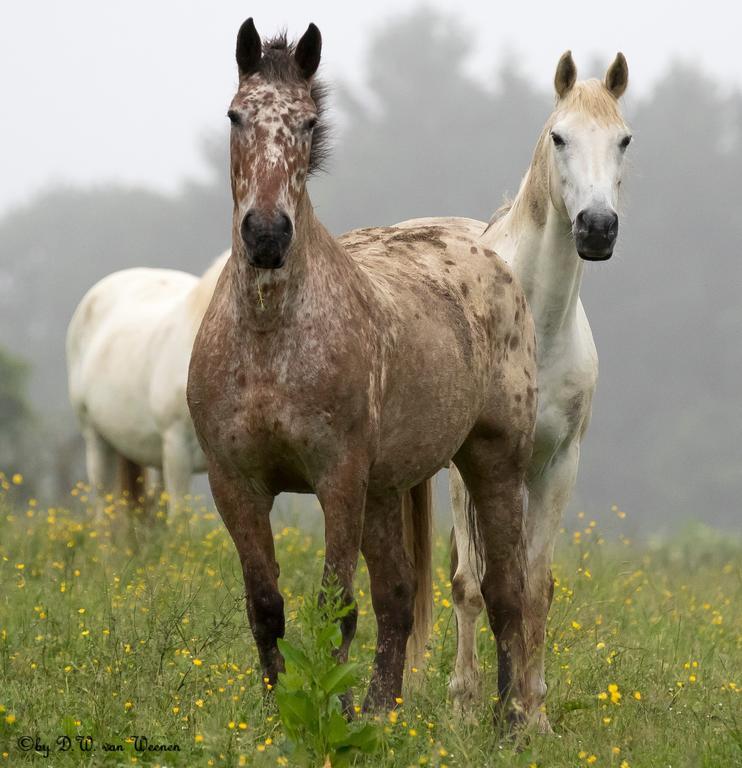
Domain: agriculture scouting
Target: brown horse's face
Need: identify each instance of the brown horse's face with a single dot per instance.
(272, 126)
(273, 119)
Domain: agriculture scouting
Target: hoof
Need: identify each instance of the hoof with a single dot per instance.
(540, 723)
(377, 703)
(465, 692)
(514, 721)
(346, 702)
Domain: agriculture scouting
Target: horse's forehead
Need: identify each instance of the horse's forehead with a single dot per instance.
(588, 124)
(272, 99)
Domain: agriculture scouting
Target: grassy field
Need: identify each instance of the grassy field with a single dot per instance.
(111, 637)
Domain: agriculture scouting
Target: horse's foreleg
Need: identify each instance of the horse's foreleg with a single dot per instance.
(494, 472)
(464, 686)
(393, 596)
(247, 517)
(177, 463)
(548, 495)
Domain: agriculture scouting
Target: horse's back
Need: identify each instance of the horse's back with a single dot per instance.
(458, 317)
(123, 293)
(439, 263)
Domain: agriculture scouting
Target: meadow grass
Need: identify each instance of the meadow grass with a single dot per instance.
(113, 635)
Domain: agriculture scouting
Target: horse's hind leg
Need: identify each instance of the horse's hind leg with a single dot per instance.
(247, 517)
(342, 495)
(464, 686)
(392, 594)
(492, 463)
(101, 463)
(548, 495)
(177, 464)
(132, 482)
(155, 489)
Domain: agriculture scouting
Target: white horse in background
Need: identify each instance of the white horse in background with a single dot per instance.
(564, 214)
(128, 347)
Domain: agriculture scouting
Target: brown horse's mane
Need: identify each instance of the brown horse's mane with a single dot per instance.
(278, 65)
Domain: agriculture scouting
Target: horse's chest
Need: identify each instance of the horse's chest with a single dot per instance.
(253, 413)
(564, 406)
(280, 430)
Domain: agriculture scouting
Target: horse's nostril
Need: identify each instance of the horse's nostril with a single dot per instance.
(248, 223)
(284, 225)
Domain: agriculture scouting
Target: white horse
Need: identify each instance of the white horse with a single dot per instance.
(564, 214)
(128, 347)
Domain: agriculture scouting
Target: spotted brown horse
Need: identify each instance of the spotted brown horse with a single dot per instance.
(355, 369)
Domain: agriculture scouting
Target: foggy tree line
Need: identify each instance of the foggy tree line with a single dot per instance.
(428, 139)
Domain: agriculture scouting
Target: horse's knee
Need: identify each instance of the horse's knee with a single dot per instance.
(467, 595)
(266, 612)
(349, 622)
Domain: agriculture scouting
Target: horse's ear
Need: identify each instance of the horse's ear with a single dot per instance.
(249, 48)
(566, 74)
(308, 51)
(617, 76)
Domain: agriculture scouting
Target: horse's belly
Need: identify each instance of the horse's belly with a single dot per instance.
(116, 404)
(128, 427)
(422, 434)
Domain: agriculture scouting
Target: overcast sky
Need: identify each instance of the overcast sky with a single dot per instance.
(100, 91)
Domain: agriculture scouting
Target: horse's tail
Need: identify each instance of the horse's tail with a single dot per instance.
(417, 517)
(132, 482)
(476, 546)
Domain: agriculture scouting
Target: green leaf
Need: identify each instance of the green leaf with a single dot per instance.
(290, 681)
(340, 759)
(366, 739)
(294, 657)
(331, 636)
(337, 731)
(295, 709)
(340, 678)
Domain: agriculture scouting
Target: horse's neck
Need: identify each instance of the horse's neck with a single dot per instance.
(544, 258)
(316, 268)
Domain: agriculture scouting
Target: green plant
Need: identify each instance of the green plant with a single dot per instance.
(309, 692)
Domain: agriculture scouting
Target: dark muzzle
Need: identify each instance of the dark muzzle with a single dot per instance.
(266, 238)
(595, 234)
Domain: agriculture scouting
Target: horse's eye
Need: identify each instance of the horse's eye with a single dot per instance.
(625, 141)
(234, 117)
(557, 139)
(309, 124)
